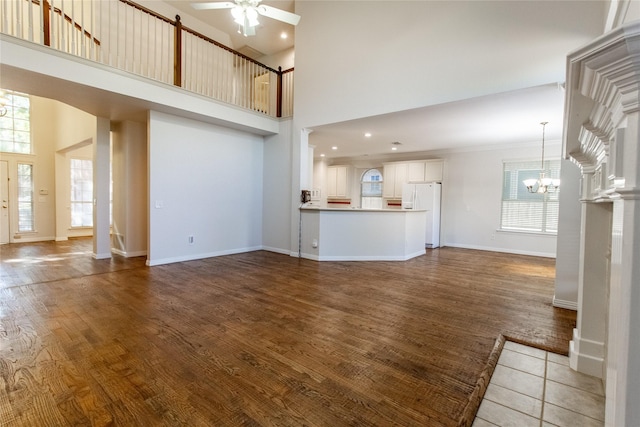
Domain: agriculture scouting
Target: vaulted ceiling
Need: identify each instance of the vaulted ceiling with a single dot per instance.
(267, 40)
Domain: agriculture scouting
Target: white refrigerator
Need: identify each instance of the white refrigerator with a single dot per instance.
(425, 195)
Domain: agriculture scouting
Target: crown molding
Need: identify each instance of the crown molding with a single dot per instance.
(603, 89)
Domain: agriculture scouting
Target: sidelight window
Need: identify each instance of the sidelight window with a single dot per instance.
(81, 193)
(25, 197)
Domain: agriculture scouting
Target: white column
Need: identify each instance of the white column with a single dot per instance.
(101, 178)
(623, 358)
(602, 134)
(587, 348)
(568, 241)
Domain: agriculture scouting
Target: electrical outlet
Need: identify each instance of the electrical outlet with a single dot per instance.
(191, 240)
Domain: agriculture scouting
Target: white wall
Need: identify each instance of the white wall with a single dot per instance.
(398, 57)
(471, 202)
(284, 59)
(42, 159)
(73, 132)
(129, 176)
(59, 132)
(277, 213)
(205, 181)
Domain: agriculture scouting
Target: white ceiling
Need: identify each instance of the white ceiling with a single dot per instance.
(499, 119)
(507, 118)
(267, 40)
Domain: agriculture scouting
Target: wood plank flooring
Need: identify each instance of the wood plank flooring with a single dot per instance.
(261, 339)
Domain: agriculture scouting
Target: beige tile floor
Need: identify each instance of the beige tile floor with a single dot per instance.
(532, 387)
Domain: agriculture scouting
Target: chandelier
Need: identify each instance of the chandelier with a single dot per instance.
(543, 184)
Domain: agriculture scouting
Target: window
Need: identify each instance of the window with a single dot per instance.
(25, 197)
(81, 193)
(15, 130)
(371, 190)
(524, 211)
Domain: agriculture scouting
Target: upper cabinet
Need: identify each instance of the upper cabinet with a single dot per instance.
(338, 182)
(415, 171)
(433, 170)
(396, 174)
(393, 176)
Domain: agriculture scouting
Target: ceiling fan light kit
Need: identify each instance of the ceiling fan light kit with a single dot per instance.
(245, 13)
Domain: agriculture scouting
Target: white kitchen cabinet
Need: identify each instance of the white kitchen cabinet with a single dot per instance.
(415, 172)
(433, 170)
(394, 175)
(338, 182)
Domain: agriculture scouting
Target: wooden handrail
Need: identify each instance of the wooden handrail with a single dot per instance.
(194, 32)
(47, 23)
(228, 49)
(177, 66)
(148, 11)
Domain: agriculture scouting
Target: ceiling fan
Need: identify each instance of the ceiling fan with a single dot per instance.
(245, 13)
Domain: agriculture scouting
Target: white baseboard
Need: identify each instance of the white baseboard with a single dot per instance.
(193, 257)
(570, 305)
(128, 254)
(25, 239)
(276, 250)
(586, 356)
(359, 258)
(102, 256)
(501, 250)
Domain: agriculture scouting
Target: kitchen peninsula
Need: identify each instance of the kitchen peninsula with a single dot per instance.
(349, 234)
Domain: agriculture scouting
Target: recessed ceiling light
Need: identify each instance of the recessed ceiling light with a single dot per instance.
(283, 35)
(394, 148)
(322, 155)
(334, 148)
(367, 135)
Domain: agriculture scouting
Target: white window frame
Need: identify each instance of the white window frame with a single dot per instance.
(25, 198)
(526, 212)
(371, 190)
(10, 126)
(80, 187)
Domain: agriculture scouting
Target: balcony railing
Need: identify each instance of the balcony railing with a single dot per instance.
(130, 37)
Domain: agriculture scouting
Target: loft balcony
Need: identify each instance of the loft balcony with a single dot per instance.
(132, 38)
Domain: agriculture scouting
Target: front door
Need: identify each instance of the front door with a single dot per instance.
(4, 200)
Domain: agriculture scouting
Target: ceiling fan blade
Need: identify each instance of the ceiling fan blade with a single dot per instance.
(279, 14)
(213, 5)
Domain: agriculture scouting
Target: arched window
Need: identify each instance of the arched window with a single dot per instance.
(371, 189)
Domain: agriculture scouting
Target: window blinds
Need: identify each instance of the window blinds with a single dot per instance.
(524, 211)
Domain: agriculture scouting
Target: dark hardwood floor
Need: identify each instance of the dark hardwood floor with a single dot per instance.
(261, 338)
